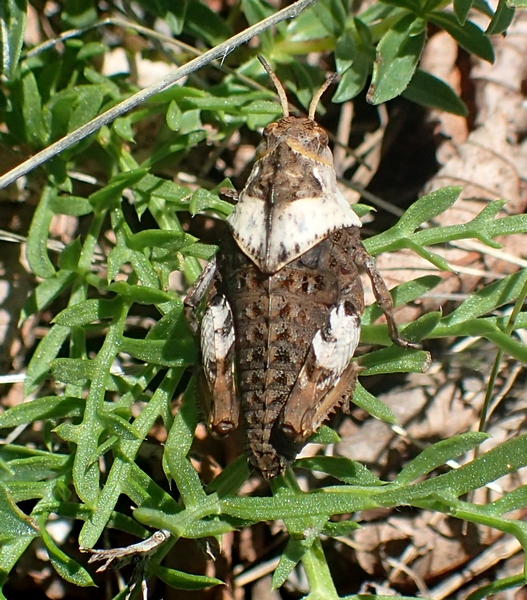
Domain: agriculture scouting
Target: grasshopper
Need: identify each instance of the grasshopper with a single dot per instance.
(284, 297)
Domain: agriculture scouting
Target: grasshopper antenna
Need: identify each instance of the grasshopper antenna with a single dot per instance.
(316, 98)
(277, 84)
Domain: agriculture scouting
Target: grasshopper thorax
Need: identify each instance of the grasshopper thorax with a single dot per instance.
(291, 201)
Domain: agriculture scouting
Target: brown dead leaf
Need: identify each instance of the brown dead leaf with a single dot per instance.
(411, 551)
(490, 165)
(428, 406)
(439, 58)
(371, 442)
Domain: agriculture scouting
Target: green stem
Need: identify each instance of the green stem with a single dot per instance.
(497, 361)
(314, 561)
(318, 575)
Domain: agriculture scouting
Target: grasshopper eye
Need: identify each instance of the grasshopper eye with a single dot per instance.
(322, 136)
(262, 149)
(269, 130)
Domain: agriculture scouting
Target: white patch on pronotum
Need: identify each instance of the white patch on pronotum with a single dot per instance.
(335, 345)
(274, 235)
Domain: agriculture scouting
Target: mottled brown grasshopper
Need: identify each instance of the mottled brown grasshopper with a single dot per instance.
(284, 297)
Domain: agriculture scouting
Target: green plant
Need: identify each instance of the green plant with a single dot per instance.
(100, 284)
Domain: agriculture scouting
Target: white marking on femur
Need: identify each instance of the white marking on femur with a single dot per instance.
(335, 345)
(217, 334)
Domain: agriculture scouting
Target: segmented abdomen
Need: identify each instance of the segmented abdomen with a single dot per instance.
(275, 319)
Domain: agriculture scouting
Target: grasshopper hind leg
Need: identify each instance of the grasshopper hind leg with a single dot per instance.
(216, 338)
(383, 298)
(217, 350)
